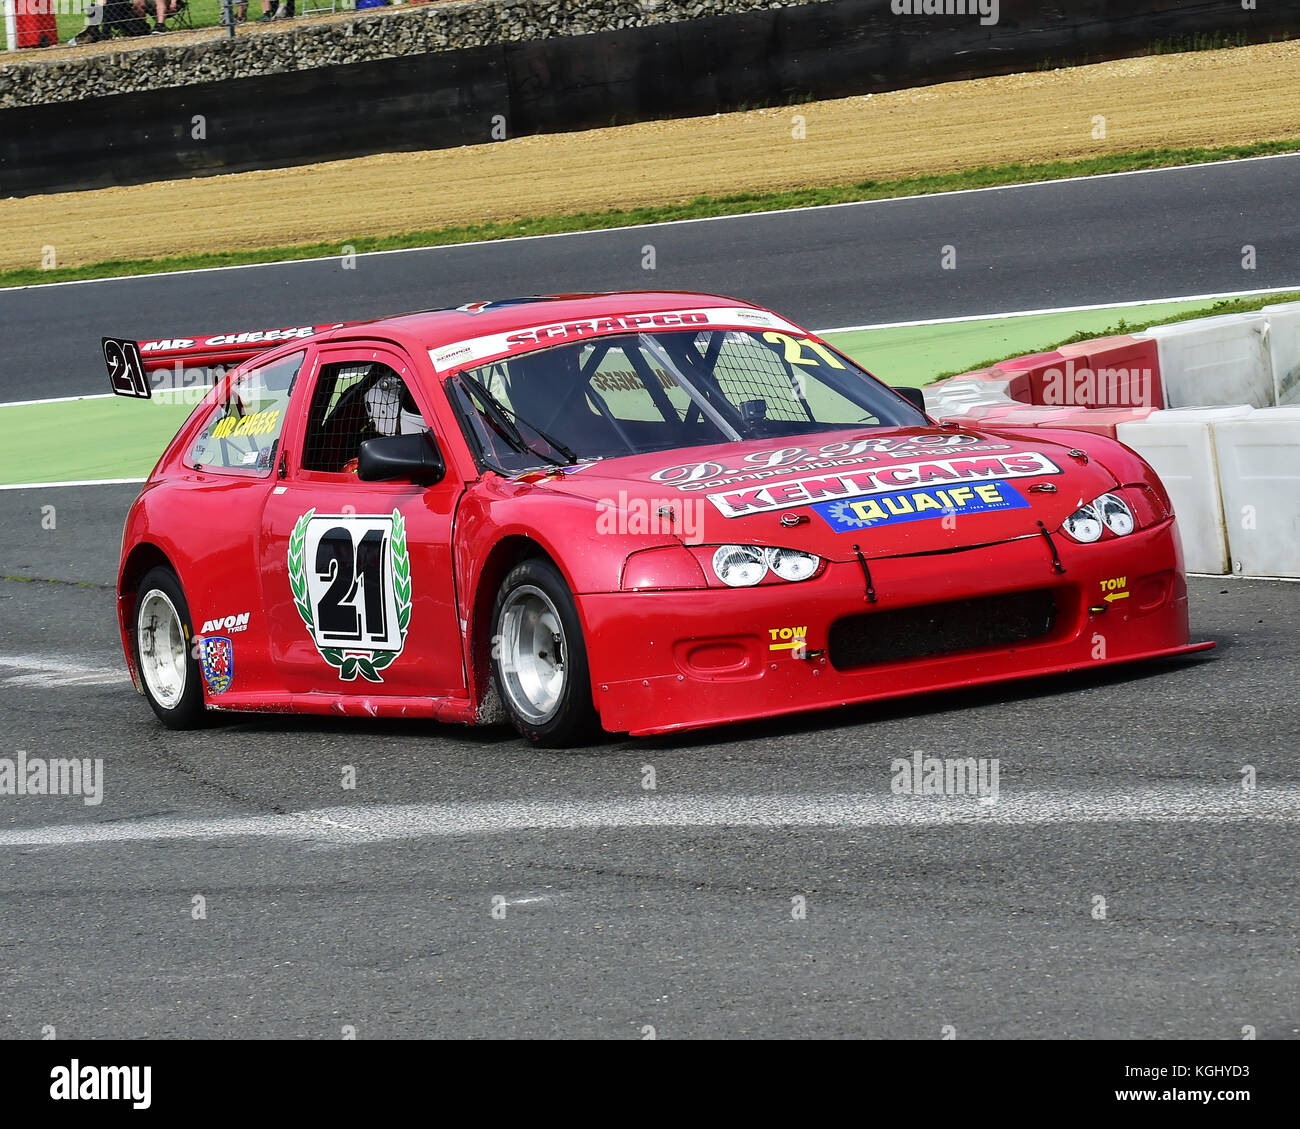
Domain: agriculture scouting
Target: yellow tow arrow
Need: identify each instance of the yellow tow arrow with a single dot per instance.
(1113, 596)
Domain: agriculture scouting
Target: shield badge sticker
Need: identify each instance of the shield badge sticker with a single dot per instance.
(217, 661)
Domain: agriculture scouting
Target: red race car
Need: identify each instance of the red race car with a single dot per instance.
(643, 511)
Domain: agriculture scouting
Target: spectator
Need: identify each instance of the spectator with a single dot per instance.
(161, 9)
(271, 12)
(113, 16)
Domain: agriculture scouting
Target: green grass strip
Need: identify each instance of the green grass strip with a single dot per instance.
(986, 176)
(89, 439)
(913, 354)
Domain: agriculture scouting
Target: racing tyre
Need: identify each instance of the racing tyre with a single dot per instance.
(164, 651)
(539, 659)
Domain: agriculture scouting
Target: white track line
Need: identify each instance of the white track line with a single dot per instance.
(1057, 310)
(69, 482)
(57, 400)
(1242, 576)
(164, 396)
(1211, 804)
(671, 223)
(37, 670)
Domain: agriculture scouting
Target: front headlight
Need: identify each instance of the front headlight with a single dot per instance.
(791, 564)
(1084, 524)
(1109, 511)
(743, 566)
(739, 566)
(1116, 514)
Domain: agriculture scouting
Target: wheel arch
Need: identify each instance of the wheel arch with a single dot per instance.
(142, 558)
(508, 552)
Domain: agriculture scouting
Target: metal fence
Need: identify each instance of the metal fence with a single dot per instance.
(84, 21)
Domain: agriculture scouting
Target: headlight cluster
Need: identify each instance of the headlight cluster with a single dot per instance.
(1110, 511)
(743, 566)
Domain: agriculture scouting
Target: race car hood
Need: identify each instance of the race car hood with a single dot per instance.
(891, 492)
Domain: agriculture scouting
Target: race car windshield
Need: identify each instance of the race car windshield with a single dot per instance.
(637, 393)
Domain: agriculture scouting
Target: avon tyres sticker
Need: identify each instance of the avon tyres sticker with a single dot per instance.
(917, 505)
(893, 479)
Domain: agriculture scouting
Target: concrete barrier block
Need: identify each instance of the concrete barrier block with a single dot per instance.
(1108, 372)
(1179, 445)
(1284, 351)
(1101, 421)
(956, 396)
(1259, 476)
(1015, 384)
(1217, 361)
(966, 410)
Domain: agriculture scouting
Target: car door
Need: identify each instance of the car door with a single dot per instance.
(230, 471)
(357, 576)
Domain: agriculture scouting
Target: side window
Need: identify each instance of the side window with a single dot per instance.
(354, 401)
(243, 432)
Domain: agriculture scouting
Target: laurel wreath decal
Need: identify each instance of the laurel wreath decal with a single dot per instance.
(351, 662)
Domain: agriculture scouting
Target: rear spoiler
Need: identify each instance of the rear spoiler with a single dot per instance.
(130, 362)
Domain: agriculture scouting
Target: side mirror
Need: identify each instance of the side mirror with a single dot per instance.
(415, 458)
(913, 396)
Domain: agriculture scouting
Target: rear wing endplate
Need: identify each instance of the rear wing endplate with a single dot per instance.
(126, 375)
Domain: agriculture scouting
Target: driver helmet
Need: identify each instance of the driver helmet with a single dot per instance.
(391, 407)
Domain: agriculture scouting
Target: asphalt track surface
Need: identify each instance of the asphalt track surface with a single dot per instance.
(672, 909)
(1110, 239)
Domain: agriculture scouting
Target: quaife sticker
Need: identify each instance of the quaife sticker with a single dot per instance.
(918, 505)
(880, 480)
(351, 580)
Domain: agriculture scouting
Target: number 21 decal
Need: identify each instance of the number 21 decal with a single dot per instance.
(351, 580)
(794, 350)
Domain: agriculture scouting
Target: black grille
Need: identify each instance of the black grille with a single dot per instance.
(940, 629)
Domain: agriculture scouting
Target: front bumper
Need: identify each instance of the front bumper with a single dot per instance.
(664, 661)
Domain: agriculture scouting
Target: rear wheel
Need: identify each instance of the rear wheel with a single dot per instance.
(164, 650)
(539, 659)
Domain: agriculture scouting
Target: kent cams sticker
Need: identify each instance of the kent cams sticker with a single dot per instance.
(870, 481)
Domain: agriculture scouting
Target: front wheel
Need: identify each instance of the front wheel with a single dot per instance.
(539, 659)
(164, 651)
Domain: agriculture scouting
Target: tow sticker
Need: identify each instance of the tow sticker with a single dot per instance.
(1116, 588)
(787, 638)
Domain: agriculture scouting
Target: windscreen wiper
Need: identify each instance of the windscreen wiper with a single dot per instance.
(495, 413)
(498, 410)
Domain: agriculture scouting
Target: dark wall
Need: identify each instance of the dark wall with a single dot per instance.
(703, 66)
